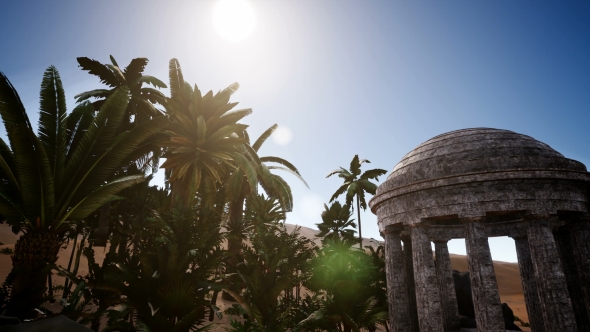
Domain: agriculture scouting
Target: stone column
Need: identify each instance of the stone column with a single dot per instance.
(397, 288)
(484, 288)
(563, 240)
(446, 286)
(409, 260)
(581, 247)
(529, 284)
(556, 305)
(430, 317)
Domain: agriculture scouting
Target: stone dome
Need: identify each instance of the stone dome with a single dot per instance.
(477, 150)
(478, 171)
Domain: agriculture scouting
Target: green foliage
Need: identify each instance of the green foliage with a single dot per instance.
(6, 251)
(350, 284)
(334, 228)
(274, 263)
(357, 186)
(204, 145)
(164, 280)
(37, 192)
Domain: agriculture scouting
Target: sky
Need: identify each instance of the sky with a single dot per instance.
(374, 78)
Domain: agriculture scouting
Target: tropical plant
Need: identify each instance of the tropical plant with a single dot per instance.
(140, 108)
(239, 189)
(274, 263)
(204, 147)
(335, 224)
(348, 281)
(164, 282)
(141, 105)
(357, 186)
(58, 176)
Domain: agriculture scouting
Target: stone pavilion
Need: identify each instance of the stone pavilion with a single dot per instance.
(474, 184)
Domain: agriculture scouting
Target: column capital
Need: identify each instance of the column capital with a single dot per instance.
(440, 240)
(393, 229)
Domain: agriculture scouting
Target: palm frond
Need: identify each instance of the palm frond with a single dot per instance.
(278, 160)
(373, 174)
(265, 135)
(152, 80)
(52, 121)
(290, 171)
(12, 110)
(97, 93)
(99, 197)
(339, 192)
(355, 165)
(134, 69)
(96, 68)
(176, 79)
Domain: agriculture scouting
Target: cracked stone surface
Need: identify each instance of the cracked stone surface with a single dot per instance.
(397, 286)
(483, 182)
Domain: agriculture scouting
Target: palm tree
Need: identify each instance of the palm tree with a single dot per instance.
(238, 190)
(203, 145)
(335, 223)
(357, 186)
(141, 106)
(61, 175)
(139, 109)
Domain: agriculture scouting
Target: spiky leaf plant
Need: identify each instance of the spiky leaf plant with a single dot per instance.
(58, 176)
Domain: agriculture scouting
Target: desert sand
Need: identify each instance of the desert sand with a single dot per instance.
(507, 274)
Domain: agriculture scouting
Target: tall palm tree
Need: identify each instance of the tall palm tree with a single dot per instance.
(139, 109)
(357, 186)
(239, 189)
(141, 106)
(58, 176)
(203, 145)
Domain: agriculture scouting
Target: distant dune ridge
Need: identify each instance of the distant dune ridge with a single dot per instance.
(507, 274)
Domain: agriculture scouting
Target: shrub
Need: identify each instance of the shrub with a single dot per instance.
(6, 251)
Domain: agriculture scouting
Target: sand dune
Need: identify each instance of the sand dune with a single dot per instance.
(507, 274)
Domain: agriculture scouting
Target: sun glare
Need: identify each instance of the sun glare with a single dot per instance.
(234, 19)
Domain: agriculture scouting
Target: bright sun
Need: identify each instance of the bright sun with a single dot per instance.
(234, 19)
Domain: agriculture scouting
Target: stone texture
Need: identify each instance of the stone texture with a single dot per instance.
(563, 240)
(529, 284)
(408, 259)
(430, 316)
(581, 241)
(558, 313)
(486, 298)
(446, 286)
(506, 177)
(397, 288)
(474, 171)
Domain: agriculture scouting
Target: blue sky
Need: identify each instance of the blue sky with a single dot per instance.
(375, 78)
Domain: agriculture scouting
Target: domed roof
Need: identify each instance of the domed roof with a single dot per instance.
(477, 150)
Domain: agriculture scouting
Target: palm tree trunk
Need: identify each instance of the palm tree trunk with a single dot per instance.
(234, 241)
(32, 253)
(358, 211)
